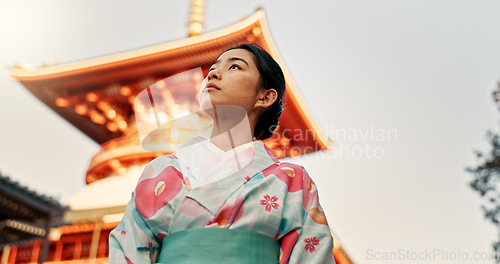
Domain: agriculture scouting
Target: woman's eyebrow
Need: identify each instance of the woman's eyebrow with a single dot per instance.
(232, 59)
(238, 59)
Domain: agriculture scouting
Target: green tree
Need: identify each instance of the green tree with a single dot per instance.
(487, 178)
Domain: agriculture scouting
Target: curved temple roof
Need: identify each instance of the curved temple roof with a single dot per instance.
(137, 68)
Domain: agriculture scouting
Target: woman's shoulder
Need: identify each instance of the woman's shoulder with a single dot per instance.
(293, 175)
(157, 165)
(287, 166)
(287, 172)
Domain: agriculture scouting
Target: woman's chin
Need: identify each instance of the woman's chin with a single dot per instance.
(206, 101)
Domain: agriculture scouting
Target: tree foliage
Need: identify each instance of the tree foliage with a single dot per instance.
(487, 177)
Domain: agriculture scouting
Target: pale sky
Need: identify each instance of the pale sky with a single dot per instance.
(403, 88)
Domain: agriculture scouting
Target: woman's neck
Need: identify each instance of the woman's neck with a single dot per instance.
(231, 128)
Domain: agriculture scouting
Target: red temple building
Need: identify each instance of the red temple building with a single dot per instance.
(97, 97)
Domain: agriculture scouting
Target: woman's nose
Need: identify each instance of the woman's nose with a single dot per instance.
(214, 74)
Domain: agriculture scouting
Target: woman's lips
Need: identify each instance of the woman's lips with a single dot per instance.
(211, 87)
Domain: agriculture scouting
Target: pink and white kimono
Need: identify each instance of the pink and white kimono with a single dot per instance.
(246, 188)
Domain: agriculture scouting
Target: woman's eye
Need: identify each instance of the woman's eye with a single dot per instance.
(234, 66)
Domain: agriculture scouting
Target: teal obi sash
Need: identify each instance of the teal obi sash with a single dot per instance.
(218, 245)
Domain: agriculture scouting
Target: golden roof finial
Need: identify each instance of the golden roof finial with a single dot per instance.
(196, 17)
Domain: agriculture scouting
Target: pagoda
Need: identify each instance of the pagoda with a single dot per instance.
(97, 97)
(25, 219)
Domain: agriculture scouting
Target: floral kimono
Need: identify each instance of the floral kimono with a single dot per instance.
(246, 188)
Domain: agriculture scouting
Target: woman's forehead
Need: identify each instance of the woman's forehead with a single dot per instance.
(236, 53)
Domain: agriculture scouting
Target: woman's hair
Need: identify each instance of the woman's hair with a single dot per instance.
(271, 76)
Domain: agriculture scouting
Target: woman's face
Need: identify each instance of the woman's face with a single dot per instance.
(233, 79)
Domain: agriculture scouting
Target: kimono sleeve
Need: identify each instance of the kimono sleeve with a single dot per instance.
(310, 241)
(132, 241)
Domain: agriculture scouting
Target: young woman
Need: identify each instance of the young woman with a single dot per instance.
(227, 199)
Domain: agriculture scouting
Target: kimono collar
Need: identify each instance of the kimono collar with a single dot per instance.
(223, 155)
(209, 174)
(201, 155)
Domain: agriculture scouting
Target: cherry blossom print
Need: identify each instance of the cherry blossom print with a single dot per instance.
(310, 244)
(277, 199)
(152, 194)
(269, 202)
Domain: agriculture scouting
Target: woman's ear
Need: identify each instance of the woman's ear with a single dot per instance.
(267, 97)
